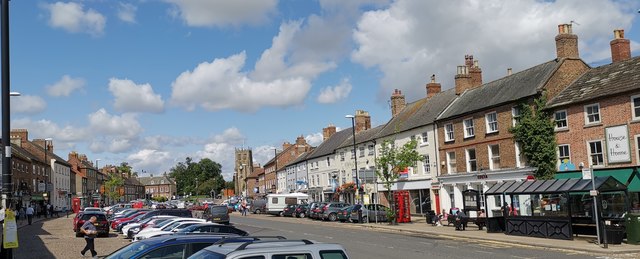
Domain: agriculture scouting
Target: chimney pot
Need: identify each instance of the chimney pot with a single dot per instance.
(509, 71)
(363, 120)
(566, 42)
(433, 88)
(620, 47)
(397, 102)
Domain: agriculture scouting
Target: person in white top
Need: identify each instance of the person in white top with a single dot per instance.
(30, 214)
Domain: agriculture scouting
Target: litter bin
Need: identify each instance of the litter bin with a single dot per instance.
(615, 234)
(632, 221)
(430, 216)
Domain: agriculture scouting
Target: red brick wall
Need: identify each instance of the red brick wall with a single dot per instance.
(613, 111)
(568, 71)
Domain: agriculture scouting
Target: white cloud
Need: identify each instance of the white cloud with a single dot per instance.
(130, 97)
(160, 141)
(65, 86)
(112, 145)
(27, 104)
(262, 154)
(64, 137)
(152, 160)
(210, 13)
(314, 139)
(127, 12)
(221, 85)
(332, 94)
(73, 18)
(222, 150)
(409, 40)
(124, 126)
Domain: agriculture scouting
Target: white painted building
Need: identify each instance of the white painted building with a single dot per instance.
(61, 180)
(321, 165)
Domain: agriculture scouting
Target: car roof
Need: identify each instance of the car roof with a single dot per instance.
(93, 213)
(211, 224)
(266, 246)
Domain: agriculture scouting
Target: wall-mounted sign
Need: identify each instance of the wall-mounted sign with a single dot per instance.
(618, 150)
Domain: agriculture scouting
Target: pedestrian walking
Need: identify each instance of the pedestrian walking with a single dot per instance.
(29, 214)
(90, 232)
(47, 210)
(21, 213)
(244, 207)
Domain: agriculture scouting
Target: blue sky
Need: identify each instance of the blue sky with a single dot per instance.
(151, 82)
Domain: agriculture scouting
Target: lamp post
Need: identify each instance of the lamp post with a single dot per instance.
(275, 152)
(196, 186)
(47, 172)
(6, 122)
(355, 159)
(243, 167)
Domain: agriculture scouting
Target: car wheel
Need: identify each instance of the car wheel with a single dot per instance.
(332, 217)
(365, 220)
(281, 214)
(257, 211)
(302, 215)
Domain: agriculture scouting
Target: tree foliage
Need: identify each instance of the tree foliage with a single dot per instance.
(535, 133)
(112, 186)
(391, 162)
(197, 178)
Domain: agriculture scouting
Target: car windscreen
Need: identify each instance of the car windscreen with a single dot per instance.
(127, 251)
(219, 210)
(100, 217)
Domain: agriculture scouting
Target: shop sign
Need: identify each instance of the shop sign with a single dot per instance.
(41, 186)
(482, 176)
(617, 138)
(404, 174)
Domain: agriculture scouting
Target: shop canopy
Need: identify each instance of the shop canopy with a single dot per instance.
(602, 184)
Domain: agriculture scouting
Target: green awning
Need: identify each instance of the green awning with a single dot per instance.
(620, 174)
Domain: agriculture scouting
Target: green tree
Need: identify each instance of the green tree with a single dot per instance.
(535, 133)
(112, 186)
(197, 178)
(391, 162)
(124, 168)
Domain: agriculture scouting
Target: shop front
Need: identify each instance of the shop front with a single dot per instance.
(554, 209)
(626, 175)
(419, 194)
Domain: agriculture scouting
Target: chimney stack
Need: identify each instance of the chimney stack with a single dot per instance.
(509, 71)
(433, 88)
(22, 134)
(462, 79)
(620, 47)
(566, 42)
(363, 120)
(476, 74)
(328, 132)
(397, 102)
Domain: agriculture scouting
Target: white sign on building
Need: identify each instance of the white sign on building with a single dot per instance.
(618, 150)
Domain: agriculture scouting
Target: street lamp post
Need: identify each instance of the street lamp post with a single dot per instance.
(48, 176)
(6, 126)
(243, 167)
(196, 186)
(355, 158)
(275, 152)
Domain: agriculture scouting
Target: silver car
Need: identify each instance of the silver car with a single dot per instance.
(370, 213)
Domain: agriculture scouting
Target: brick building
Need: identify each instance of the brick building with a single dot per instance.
(476, 149)
(253, 183)
(87, 181)
(159, 186)
(598, 119)
(289, 153)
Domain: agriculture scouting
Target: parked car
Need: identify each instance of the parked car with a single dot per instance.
(168, 246)
(344, 214)
(212, 228)
(301, 210)
(172, 212)
(101, 224)
(217, 214)
(315, 209)
(258, 206)
(94, 209)
(289, 211)
(167, 223)
(232, 248)
(167, 229)
(330, 210)
(370, 212)
(132, 229)
(116, 222)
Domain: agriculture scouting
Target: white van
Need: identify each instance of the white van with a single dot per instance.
(277, 202)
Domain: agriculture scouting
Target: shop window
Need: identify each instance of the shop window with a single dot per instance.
(492, 122)
(561, 119)
(472, 164)
(595, 153)
(452, 197)
(451, 162)
(468, 128)
(564, 154)
(591, 113)
(494, 157)
(635, 107)
(448, 130)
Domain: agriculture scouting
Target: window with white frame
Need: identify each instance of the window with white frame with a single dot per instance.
(494, 156)
(560, 118)
(342, 156)
(472, 163)
(592, 113)
(361, 150)
(413, 137)
(424, 138)
(515, 115)
(468, 128)
(328, 162)
(451, 162)
(595, 153)
(426, 164)
(448, 132)
(564, 153)
(371, 149)
(492, 122)
(635, 107)
(353, 153)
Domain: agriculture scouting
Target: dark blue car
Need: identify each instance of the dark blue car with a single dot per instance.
(168, 247)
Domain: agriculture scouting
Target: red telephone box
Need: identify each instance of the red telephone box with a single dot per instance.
(403, 206)
(75, 205)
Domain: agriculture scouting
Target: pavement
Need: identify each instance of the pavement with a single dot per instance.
(23, 222)
(579, 243)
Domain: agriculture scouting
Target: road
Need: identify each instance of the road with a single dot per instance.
(53, 238)
(367, 243)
